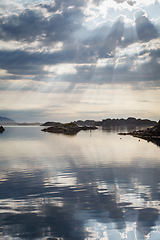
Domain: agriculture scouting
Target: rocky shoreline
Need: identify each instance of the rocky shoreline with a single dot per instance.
(151, 134)
(67, 128)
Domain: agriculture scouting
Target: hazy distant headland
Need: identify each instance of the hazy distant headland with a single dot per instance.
(4, 120)
(8, 121)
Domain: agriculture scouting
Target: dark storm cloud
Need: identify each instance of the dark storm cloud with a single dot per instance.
(148, 71)
(129, 71)
(130, 2)
(32, 25)
(113, 39)
(130, 36)
(60, 26)
(32, 64)
(80, 45)
(25, 63)
(155, 53)
(20, 62)
(104, 40)
(24, 27)
(11, 77)
(145, 29)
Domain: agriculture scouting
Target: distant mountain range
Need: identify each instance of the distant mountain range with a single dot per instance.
(6, 120)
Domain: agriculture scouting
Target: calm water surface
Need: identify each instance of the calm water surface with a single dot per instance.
(90, 186)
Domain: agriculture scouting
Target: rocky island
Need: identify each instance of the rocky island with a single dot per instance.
(151, 134)
(67, 128)
(1, 129)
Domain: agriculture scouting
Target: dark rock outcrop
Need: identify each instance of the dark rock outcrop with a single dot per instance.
(151, 134)
(67, 128)
(1, 129)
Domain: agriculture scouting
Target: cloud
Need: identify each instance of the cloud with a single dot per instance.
(146, 30)
(24, 27)
(63, 4)
(97, 2)
(32, 25)
(130, 2)
(58, 46)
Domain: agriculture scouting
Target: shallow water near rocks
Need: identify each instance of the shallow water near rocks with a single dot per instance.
(94, 185)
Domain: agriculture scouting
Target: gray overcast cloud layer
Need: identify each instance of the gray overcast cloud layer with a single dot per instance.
(41, 37)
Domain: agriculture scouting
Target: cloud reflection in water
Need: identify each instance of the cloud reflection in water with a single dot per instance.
(81, 199)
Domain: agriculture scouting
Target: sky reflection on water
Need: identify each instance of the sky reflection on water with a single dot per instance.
(90, 186)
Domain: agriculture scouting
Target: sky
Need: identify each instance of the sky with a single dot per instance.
(66, 60)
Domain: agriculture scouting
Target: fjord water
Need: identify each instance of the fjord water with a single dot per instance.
(94, 185)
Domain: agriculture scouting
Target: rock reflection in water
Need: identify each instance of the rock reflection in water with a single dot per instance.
(80, 199)
(155, 141)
